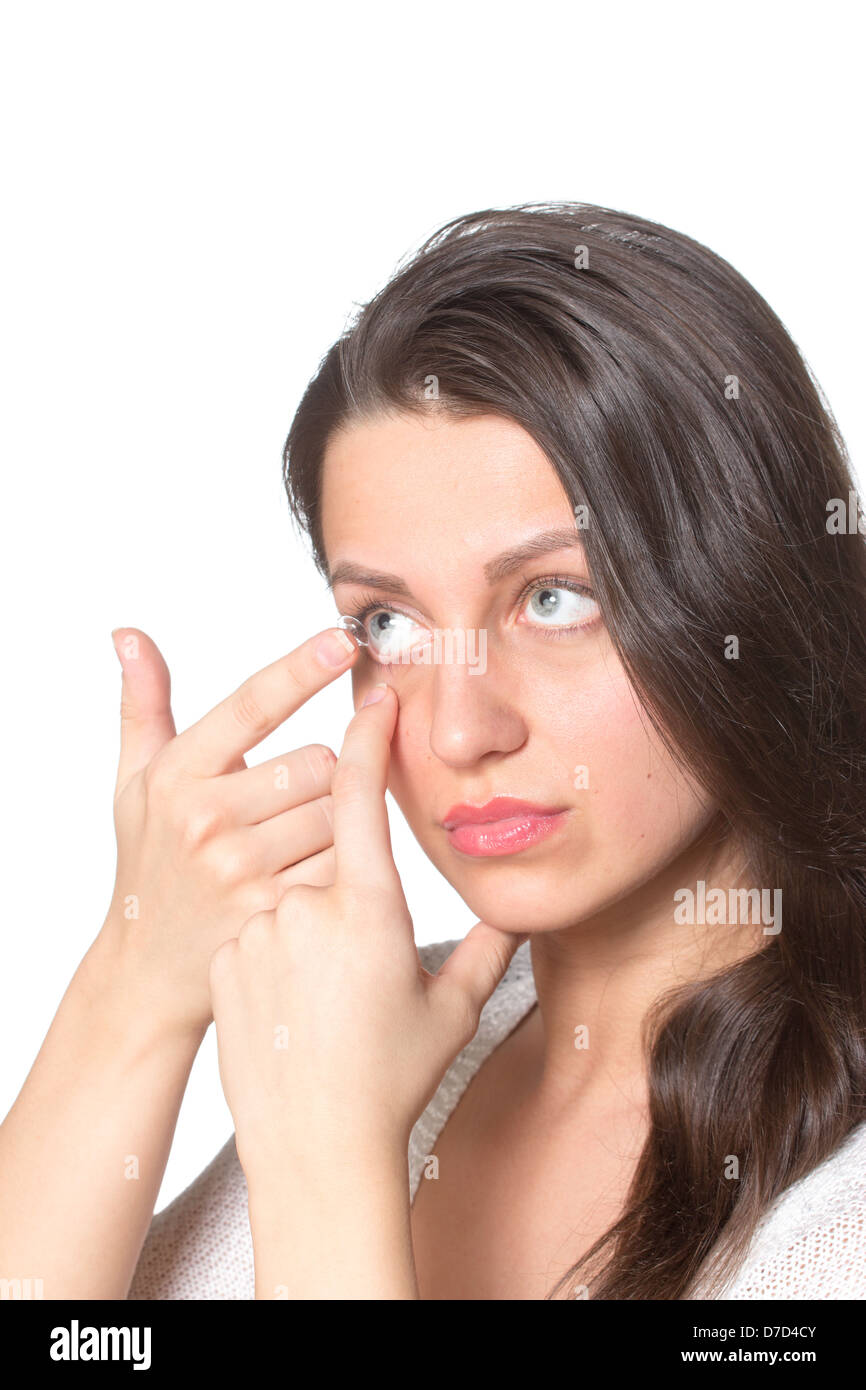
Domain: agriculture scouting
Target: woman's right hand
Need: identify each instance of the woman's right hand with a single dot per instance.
(203, 842)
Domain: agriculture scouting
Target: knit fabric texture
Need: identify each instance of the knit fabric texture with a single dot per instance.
(810, 1243)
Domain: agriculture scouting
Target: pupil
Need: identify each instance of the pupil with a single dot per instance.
(544, 596)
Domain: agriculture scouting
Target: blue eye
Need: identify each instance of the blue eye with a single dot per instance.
(387, 634)
(394, 634)
(560, 606)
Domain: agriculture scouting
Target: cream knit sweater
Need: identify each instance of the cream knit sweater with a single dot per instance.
(811, 1243)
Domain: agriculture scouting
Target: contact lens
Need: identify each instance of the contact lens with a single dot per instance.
(355, 627)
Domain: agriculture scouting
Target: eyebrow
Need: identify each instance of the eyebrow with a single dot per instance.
(347, 572)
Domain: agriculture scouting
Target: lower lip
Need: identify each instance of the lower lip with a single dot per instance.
(509, 836)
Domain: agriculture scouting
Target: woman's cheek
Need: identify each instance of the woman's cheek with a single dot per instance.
(412, 776)
(632, 798)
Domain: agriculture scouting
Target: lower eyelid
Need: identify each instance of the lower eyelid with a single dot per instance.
(563, 628)
(566, 631)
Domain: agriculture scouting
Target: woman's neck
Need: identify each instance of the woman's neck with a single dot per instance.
(597, 980)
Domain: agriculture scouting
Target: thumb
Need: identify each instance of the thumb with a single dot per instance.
(146, 722)
(475, 967)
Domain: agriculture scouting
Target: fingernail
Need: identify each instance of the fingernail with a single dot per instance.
(333, 648)
(373, 696)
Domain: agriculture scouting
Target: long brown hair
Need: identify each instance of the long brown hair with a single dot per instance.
(675, 407)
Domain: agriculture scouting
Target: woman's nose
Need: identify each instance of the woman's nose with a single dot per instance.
(474, 711)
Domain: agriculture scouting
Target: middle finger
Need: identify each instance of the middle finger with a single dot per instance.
(255, 794)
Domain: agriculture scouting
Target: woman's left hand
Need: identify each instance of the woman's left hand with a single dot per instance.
(332, 1037)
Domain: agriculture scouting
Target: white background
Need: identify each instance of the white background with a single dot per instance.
(195, 197)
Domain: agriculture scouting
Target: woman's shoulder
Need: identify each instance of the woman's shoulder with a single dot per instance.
(811, 1241)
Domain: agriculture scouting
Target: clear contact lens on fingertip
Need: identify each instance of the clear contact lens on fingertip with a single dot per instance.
(355, 628)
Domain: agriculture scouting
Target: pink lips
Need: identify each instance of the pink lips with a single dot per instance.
(502, 826)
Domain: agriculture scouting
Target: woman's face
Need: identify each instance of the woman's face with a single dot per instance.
(526, 699)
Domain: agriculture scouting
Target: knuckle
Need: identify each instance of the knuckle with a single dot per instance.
(222, 959)
(200, 824)
(229, 864)
(295, 903)
(320, 762)
(128, 710)
(259, 896)
(255, 932)
(284, 918)
(247, 711)
(286, 910)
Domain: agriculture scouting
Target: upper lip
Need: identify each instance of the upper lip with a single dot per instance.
(500, 808)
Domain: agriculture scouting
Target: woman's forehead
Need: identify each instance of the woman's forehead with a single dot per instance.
(399, 485)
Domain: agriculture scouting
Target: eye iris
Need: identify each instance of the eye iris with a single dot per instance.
(391, 633)
(380, 623)
(548, 600)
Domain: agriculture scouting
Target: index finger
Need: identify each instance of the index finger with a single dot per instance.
(362, 840)
(260, 705)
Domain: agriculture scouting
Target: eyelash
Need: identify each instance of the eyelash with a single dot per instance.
(369, 603)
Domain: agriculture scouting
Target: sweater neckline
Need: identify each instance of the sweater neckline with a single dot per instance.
(509, 1004)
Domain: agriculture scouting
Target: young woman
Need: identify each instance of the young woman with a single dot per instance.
(574, 487)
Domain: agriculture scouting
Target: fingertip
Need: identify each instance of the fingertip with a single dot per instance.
(379, 691)
(334, 648)
(134, 648)
(127, 644)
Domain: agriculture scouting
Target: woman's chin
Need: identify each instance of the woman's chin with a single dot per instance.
(533, 915)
